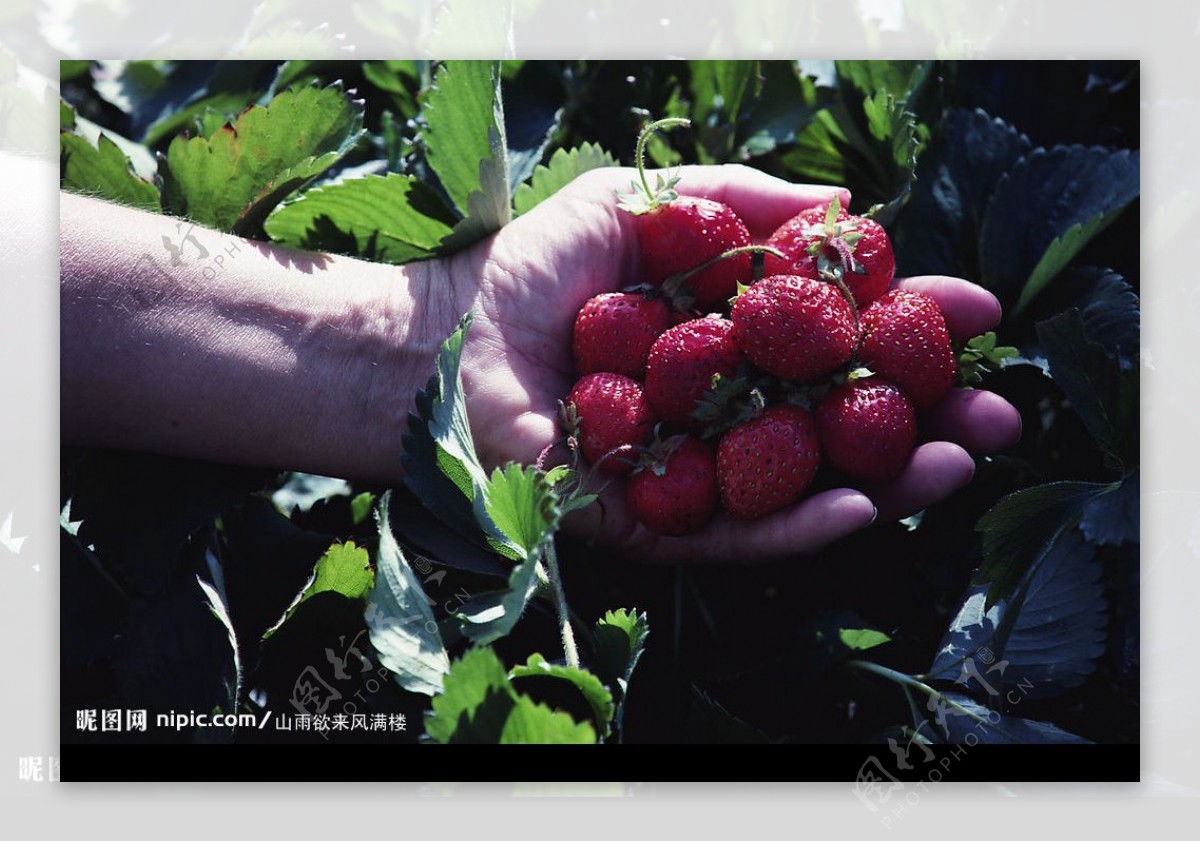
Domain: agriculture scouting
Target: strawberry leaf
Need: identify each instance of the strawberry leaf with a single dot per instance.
(562, 168)
(391, 218)
(520, 513)
(620, 638)
(232, 180)
(1044, 638)
(478, 704)
(596, 694)
(1045, 209)
(997, 729)
(1105, 398)
(103, 171)
(401, 623)
(464, 142)
(1021, 529)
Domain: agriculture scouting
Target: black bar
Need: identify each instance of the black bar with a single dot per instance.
(850, 763)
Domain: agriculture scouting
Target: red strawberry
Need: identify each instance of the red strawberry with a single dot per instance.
(678, 495)
(828, 239)
(767, 463)
(678, 233)
(905, 340)
(682, 233)
(682, 363)
(867, 428)
(607, 411)
(795, 328)
(614, 332)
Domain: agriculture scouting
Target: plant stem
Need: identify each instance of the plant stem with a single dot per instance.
(640, 151)
(905, 680)
(560, 603)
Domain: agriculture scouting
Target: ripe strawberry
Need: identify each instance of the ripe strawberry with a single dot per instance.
(677, 495)
(682, 233)
(678, 233)
(797, 329)
(905, 340)
(607, 411)
(682, 363)
(767, 463)
(828, 239)
(867, 428)
(614, 332)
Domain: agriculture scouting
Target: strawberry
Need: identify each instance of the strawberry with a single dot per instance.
(614, 332)
(827, 239)
(867, 428)
(678, 233)
(606, 411)
(682, 362)
(677, 495)
(767, 463)
(795, 328)
(905, 340)
(682, 233)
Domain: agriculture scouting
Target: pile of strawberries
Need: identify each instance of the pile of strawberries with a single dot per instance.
(710, 388)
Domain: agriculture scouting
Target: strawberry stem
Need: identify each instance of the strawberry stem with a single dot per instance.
(640, 150)
(570, 651)
(835, 278)
(672, 284)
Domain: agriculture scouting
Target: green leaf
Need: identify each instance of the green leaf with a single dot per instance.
(531, 723)
(475, 700)
(1046, 208)
(478, 704)
(523, 507)
(1049, 632)
(620, 638)
(785, 105)
(1104, 397)
(1115, 518)
(597, 695)
(563, 167)
(438, 435)
(344, 569)
(389, 219)
(195, 87)
(465, 145)
(360, 507)
(900, 79)
(103, 171)
(66, 116)
(402, 626)
(1062, 251)
(520, 515)
(1111, 314)
(860, 639)
(1023, 527)
(232, 180)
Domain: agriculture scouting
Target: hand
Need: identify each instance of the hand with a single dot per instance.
(539, 271)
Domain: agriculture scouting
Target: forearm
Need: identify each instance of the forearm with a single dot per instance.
(239, 352)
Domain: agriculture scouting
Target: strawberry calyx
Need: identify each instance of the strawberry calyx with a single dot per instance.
(727, 402)
(642, 198)
(654, 455)
(832, 243)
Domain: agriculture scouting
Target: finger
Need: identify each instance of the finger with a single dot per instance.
(969, 308)
(934, 472)
(980, 421)
(799, 530)
(763, 201)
